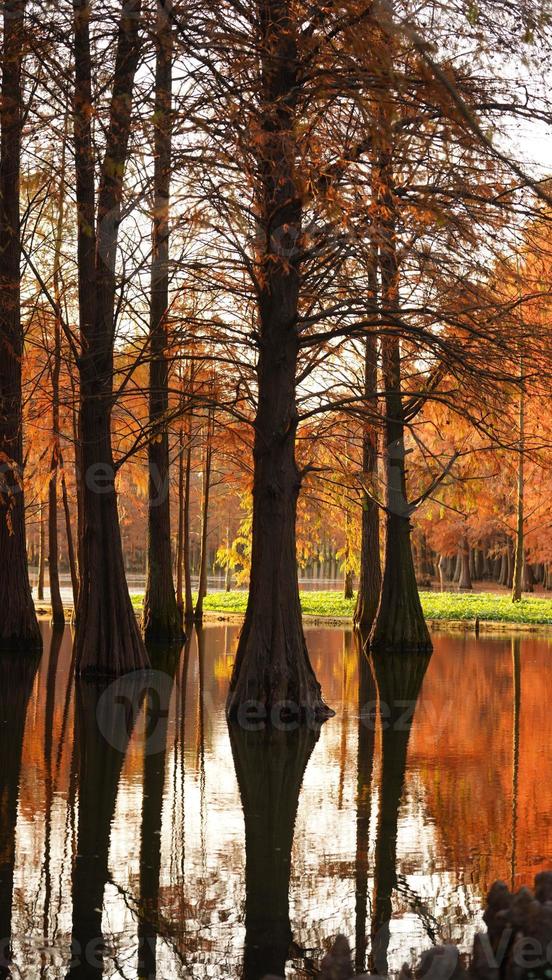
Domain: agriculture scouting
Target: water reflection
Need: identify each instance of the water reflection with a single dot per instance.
(166, 845)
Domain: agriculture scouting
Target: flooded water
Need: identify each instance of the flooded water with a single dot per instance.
(140, 838)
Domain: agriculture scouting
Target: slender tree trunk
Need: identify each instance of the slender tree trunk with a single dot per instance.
(188, 597)
(41, 552)
(70, 544)
(162, 620)
(18, 622)
(272, 665)
(369, 585)
(465, 577)
(228, 573)
(180, 527)
(519, 560)
(202, 585)
(107, 640)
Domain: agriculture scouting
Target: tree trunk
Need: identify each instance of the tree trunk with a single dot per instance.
(18, 622)
(369, 585)
(202, 585)
(70, 544)
(187, 558)
(465, 577)
(180, 527)
(41, 552)
(519, 560)
(107, 638)
(399, 622)
(272, 665)
(162, 620)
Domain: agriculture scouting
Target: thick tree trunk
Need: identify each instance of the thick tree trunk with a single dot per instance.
(272, 666)
(162, 620)
(18, 623)
(369, 585)
(107, 639)
(399, 622)
(269, 767)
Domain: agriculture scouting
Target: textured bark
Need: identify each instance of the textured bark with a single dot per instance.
(41, 553)
(70, 543)
(18, 623)
(272, 663)
(399, 622)
(269, 767)
(399, 681)
(107, 640)
(162, 620)
(17, 676)
(369, 585)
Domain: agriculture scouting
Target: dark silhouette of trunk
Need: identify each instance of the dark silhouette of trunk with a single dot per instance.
(528, 577)
(519, 560)
(41, 553)
(367, 698)
(348, 586)
(465, 577)
(270, 766)
(180, 527)
(162, 620)
(399, 622)
(369, 585)
(157, 703)
(272, 663)
(187, 558)
(102, 732)
(70, 543)
(18, 622)
(58, 616)
(17, 676)
(204, 542)
(107, 640)
(399, 680)
(228, 570)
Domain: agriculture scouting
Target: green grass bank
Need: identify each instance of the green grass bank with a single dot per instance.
(439, 607)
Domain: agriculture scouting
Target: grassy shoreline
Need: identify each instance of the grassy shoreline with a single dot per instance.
(440, 608)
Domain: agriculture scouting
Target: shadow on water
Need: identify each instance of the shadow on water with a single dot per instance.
(270, 766)
(17, 676)
(399, 680)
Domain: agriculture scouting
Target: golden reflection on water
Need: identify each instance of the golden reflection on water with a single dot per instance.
(396, 829)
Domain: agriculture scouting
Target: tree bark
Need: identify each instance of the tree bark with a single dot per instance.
(107, 638)
(187, 558)
(70, 543)
(399, 622)
(18, 622)
(180, 527)
(272, 663)
(41, 553)
(369, 585)
(162, 620)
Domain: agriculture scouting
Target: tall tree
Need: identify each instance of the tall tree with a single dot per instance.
(18, 622)
(162, 619)
(272, 663)
(108, 640)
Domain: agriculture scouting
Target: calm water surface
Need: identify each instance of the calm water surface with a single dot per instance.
(136, 828)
